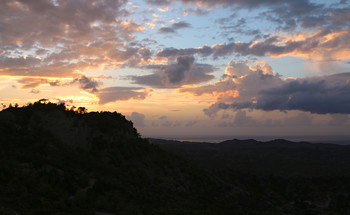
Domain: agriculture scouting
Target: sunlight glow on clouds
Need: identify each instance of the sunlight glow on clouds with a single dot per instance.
(194, 61)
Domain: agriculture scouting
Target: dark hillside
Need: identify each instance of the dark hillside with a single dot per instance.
(59, 161)
(296, 177)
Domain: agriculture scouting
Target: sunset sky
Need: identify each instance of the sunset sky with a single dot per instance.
(185, 68)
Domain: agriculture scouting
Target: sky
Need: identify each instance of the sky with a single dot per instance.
(185, 68)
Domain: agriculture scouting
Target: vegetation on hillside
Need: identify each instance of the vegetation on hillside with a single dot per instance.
(59, 160)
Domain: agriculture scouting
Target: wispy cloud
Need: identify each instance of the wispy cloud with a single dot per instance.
(174, 27)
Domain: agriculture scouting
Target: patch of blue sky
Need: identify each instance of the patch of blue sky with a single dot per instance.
(287, 66)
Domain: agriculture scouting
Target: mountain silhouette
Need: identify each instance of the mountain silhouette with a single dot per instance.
(60, 160)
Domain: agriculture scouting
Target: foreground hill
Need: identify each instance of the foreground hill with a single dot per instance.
(59, 161)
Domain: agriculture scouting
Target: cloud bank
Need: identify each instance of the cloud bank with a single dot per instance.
(256, 87)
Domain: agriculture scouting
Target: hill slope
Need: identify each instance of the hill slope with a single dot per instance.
(59, 161)
(54, 160)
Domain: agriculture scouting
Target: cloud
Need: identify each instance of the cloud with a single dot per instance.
(28, 83)
(244, 3)
(322, 44)
(65, 38)
(174, 27)
(168, 123)
(191, 123)
(163, 117)
(241, 81)
(256, 87)
(87, 83)
(137, 118)
(288, 15)
(112, 94)
(183, 71)
(317, 95)
(173, 52)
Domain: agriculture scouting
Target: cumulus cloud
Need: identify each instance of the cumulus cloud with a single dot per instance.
(256, 87)
(112, 94)
(183, 71)
(241, 81)
(137, 118)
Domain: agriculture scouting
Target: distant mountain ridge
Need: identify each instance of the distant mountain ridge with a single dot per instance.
(277, 156)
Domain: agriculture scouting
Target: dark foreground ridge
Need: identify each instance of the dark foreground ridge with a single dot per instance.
(55, 160)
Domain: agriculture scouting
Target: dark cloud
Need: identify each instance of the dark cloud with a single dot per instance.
(28, 83)
(199, 11)
(112, 94)
(87, 83)
(231, 26)
(247, 86)
(321, 95)
(137, 118)
(173, 52)
(183, 72)
(166, 30)
(174, 27)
